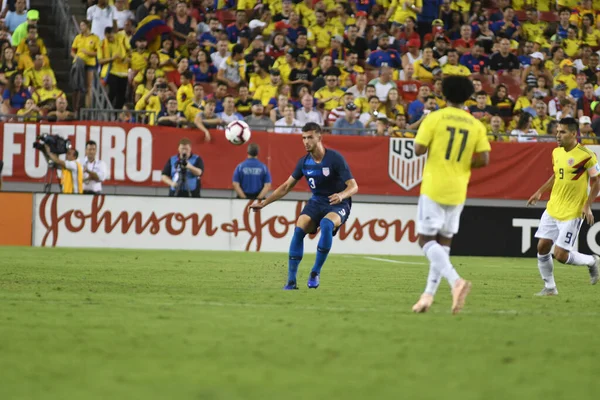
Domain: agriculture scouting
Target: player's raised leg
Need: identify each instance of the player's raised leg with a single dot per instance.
(328, 225)
(296, 252)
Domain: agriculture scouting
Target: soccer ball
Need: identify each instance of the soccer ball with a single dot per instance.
(238, 132)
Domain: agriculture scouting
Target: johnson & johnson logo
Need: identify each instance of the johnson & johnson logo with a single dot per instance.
(251, 223)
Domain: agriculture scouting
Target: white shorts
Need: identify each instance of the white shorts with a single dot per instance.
(434, 218)
(562, 233)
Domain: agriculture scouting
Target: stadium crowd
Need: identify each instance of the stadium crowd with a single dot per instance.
(370, 67)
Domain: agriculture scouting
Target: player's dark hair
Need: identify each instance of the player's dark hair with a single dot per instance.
(570, 123)
(481, 93)
(457, 89)
(90, 143)
(312, 126)
(253, 149)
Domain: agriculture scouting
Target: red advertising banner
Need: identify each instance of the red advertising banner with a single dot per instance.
(136, 154)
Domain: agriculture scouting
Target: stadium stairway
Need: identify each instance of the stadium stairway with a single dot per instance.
(58, 48)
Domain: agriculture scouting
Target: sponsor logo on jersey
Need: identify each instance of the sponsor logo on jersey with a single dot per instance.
(405, 167)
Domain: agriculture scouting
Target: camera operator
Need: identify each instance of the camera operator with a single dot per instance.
(94, 170)
(72, 172)
(251, 178)
(182, 172)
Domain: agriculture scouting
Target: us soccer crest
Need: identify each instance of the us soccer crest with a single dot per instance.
(325, 171)
(405, 167)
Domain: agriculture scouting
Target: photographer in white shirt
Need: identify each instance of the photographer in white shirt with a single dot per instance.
(94, 170)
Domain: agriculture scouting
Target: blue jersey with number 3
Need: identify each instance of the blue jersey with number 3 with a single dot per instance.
(324, 178)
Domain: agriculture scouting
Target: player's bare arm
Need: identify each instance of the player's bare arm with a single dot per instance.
(351, 190)
(420, 149)
(277, 194)
(539, 193)
(587, 208)
(480, 160)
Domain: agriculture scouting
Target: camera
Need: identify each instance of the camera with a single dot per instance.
(58, 145)
(182, 162)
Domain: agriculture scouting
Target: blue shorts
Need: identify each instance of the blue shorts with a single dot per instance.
(317, 210)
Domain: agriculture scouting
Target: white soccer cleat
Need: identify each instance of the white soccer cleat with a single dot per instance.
(548, 292)
(459, 295)
(594, 270)
(424, 303)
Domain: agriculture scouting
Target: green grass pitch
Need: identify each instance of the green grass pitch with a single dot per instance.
(116, 324)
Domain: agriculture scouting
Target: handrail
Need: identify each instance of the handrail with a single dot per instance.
(100, 114)
(68, 28)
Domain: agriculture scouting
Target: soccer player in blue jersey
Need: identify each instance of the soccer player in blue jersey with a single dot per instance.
(332, 186)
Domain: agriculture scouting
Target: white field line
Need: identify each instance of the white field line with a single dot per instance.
(394, 261)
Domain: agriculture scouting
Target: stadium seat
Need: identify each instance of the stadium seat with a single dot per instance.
(548, 16)
(521, 15)
(225, 16)
(208, 88)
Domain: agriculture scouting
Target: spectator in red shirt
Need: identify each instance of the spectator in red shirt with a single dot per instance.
(466, 42)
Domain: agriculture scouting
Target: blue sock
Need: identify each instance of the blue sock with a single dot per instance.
(296, 253)
(324, 245)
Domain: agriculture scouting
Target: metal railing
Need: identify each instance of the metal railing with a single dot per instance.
(67, 28)
(112, 115)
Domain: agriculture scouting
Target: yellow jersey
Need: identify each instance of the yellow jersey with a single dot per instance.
(521, 103)
(325, 93)
(41, 95)
(533, 31)
(33, 77)
(452, 136)
(265, 93)
(568, 80)
(572, 171)
(403, 10)
(256, 81)
(118, 67)
(90, 43)
(541, 125)
(193, 109)
(423, 73)
(592, 39)
(455, 70)
(139, 60)
(321, 35)
(185, 95)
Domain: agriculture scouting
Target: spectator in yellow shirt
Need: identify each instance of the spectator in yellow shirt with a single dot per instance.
(566, 75)
(185, 92)
(114, 59)
(426, 66)
(330, 95)
(266, 92)
(402, 9)
(33, 77)
(45, 97)
(452, 67)
(27, 47)
(29, 113)
(152, 102)
(321, 33)
(85, 47)
(589, 34)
